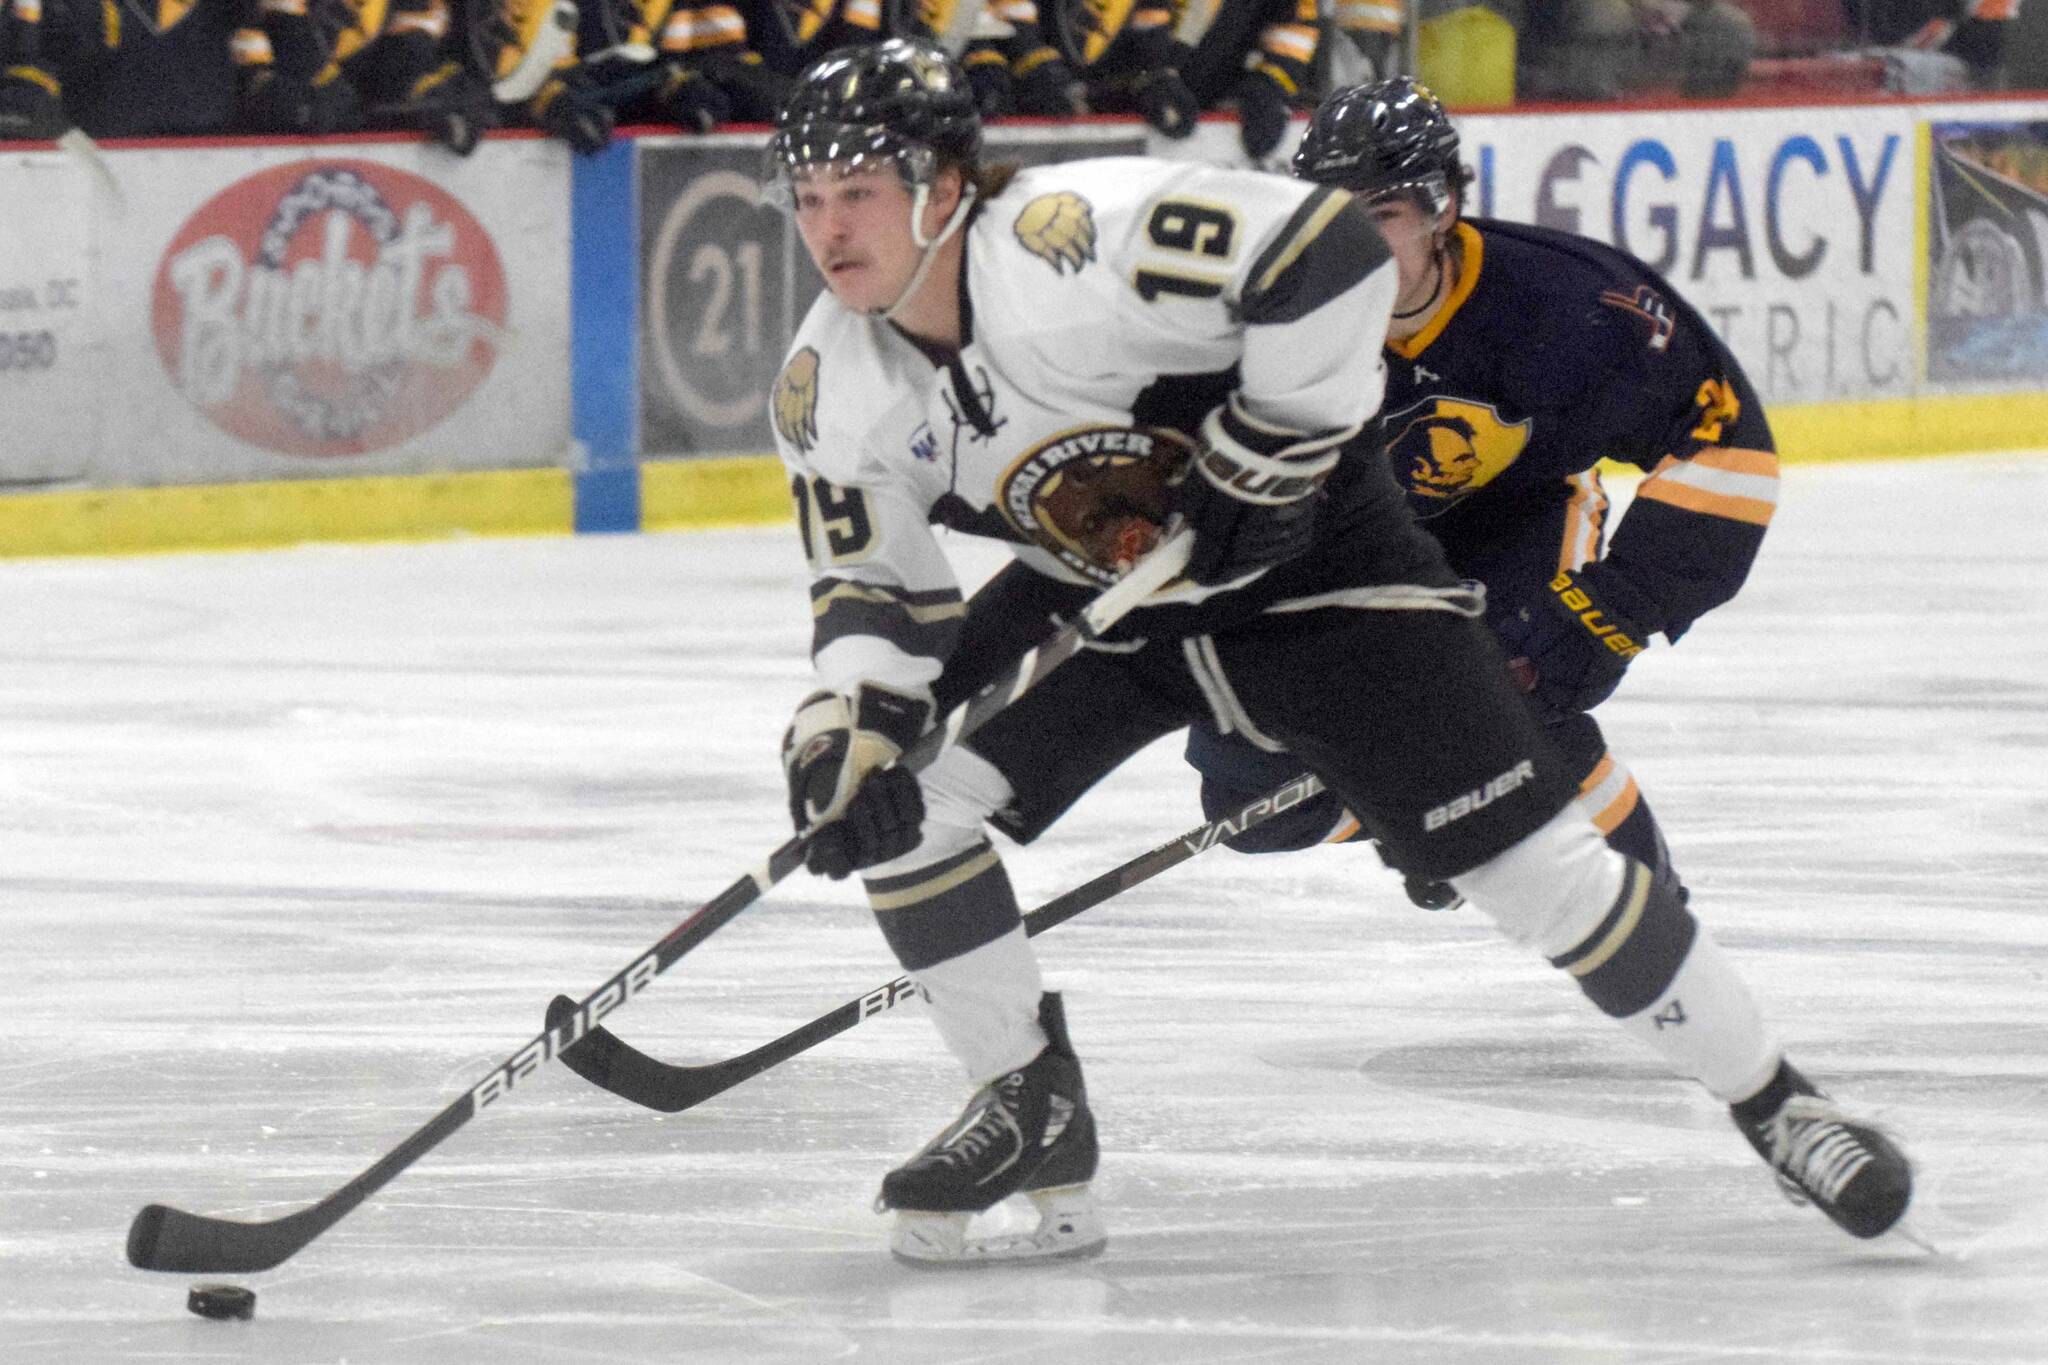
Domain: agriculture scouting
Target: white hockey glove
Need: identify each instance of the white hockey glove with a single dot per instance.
(1253, 494)
(858, 810)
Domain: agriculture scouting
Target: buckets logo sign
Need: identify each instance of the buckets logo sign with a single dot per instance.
(329, 307)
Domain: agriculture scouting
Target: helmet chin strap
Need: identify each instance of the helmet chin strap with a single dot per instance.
(930, 249)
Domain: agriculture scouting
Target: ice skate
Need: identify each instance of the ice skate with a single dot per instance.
(1844, 1166)
(1028, 1131)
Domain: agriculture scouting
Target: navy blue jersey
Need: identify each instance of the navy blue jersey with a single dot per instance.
(1552, 353)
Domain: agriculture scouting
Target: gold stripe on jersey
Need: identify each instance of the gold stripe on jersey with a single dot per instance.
(1609, 795)
(922, 608)
(37, 76)
(1034, 59)
(894, 894)
(1290, 40)
(1272, 72)
(432, 21)
(1636, 896)
(1471, 259)
(808, 17)
(1100, 22)
(1306, 229)
(1585, 513)
(1371, 17)
(1719, 481)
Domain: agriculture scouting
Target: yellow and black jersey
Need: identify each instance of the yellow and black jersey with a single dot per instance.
(304, 38)
(1275, 38)
(132, 68)
(1552, 353)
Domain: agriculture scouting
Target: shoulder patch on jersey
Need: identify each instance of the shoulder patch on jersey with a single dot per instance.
(1648, 307)
(1059, 229)
(795, 402)
(1446, 449)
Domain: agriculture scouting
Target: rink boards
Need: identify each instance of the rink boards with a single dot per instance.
(256, 342)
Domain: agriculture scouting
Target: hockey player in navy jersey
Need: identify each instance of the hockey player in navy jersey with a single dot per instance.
(1519, 358)
(1015, 355)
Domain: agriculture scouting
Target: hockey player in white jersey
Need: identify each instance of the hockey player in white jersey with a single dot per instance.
(1065, 358)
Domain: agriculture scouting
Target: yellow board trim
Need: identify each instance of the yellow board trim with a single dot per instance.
(1896, 428)
(751, 490)
(240, 516)
(742, 490)
(1923, 241)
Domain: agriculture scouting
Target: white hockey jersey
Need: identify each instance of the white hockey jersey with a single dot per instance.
(1089, 286)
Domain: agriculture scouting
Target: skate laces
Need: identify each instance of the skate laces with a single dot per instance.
(996, 1123)
(1815, 1148)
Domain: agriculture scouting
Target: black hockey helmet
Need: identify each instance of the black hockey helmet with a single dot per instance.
(903, 101)
(1390, 137)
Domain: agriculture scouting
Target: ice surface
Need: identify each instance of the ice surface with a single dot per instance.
(295, 846)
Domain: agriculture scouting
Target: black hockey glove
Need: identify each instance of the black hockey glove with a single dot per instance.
(858, 810)
(273, 102)
(1578, 637)
(692, 101)
(988, 75)
(1252, 494)
(1423, 893)
(31, 107)
(754, 91)
(569, 112)
(1167, 103)
(1262, 114)
(450, 105)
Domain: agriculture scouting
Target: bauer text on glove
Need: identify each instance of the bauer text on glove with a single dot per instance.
(1579, 637)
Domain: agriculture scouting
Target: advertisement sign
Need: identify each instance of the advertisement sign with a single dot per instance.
(1790, 230)
(379, 308)
(1987, 254)
(725, 281)
(724, 284)
(49, 338)
(329, 307)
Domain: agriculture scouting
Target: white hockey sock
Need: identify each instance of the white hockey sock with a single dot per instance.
(1706, 1025)
(985, 1003)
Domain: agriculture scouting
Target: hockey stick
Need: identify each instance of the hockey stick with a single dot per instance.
(164, 1238)
(610, 1063)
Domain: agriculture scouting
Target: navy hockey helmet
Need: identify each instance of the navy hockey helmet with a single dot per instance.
(1390, 137)
(902, 101)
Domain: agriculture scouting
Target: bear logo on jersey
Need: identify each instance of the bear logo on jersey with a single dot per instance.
(795, 402)
(1059, 229)
(1446, 449)
(1095, 496)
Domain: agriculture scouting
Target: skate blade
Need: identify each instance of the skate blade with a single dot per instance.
(1069, 1229)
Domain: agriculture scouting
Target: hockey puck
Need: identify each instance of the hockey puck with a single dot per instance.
(221, 1301)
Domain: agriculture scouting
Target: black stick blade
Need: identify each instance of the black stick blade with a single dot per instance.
(164, 1238)
(611, 1063)
(590, 1056)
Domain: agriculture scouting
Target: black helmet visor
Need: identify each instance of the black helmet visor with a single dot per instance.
(846, 147)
